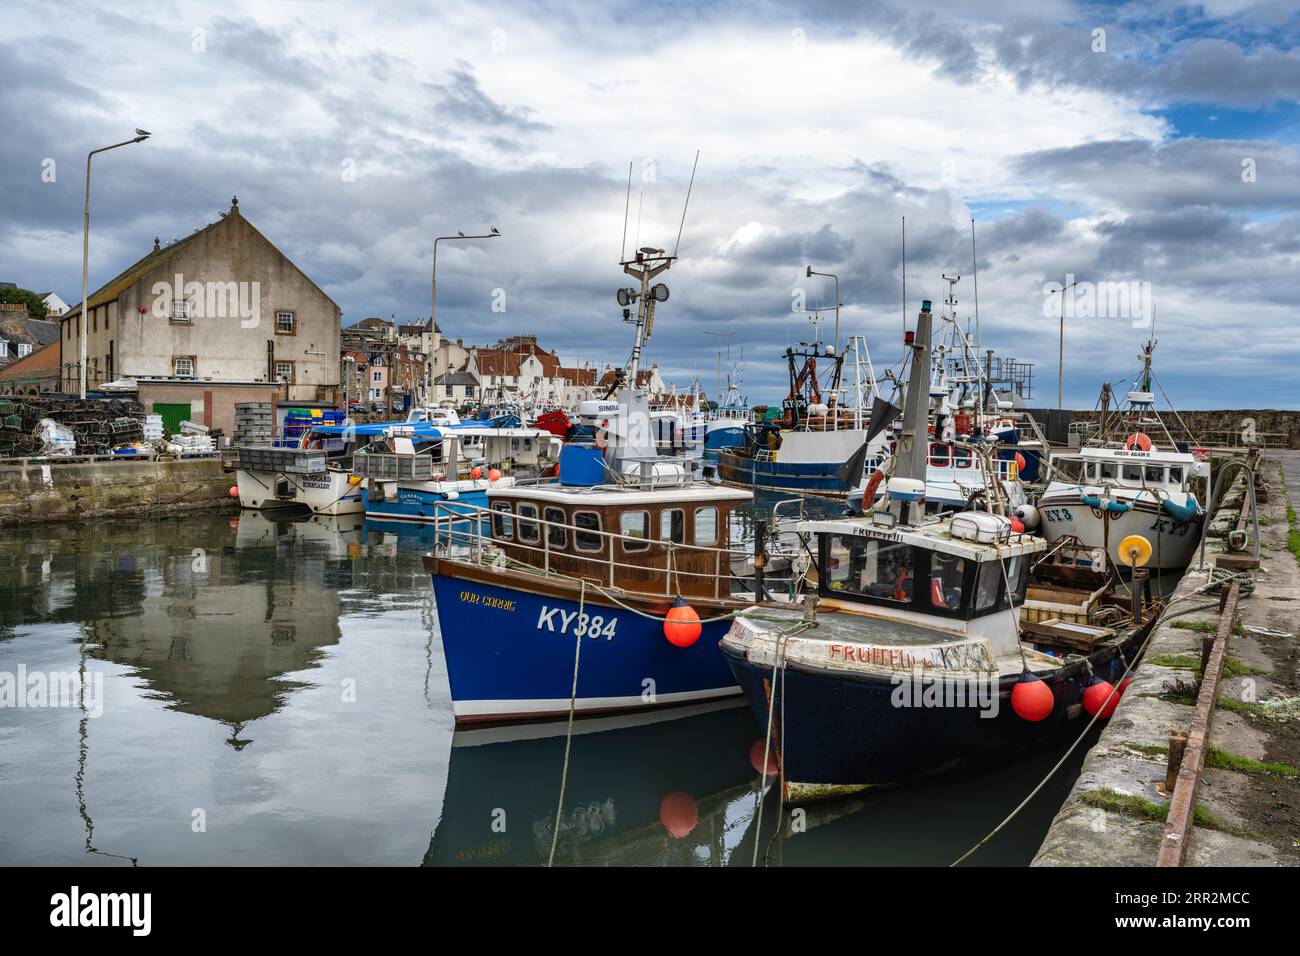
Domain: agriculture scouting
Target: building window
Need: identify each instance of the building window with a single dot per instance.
(24, 349)
(181, 311)
(183, 366)
(284, 323)
(4, 349)
(378, 377)
(284, 371)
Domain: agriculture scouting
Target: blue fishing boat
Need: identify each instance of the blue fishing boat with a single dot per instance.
(605, 591)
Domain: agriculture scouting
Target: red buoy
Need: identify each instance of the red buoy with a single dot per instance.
(756, 758)
(1020, 462)
(476, 473)
(494, 475)
(678, 814)
(234, 491)
(1095, 698)
(682, 624)
(1031, 698)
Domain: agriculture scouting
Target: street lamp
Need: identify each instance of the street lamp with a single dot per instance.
(1060, 358)
(140, 136)
(830, 275)
(721, 335)
(433, 318)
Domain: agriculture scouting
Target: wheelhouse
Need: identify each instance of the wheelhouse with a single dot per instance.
(665, 542)
(919, 572)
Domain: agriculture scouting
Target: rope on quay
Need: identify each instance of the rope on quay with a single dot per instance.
(1164, 616)
(568, 737)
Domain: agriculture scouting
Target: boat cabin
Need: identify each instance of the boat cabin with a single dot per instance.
(667, 541)
(1168, 471)
(920, 569)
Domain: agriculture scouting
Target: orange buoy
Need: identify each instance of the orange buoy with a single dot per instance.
(1099, 698)
(1017, 525)
(1139, 440)
(756, 758)
(476, 473)
(234, 491)
(681, 624)
(494, 475)
(1020, 462)
(678, 814)
(1031, 698)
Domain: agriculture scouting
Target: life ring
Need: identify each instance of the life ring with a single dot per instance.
(869, 493)
(1139, 440)
(600, 434)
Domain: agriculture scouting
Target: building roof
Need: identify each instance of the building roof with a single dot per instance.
(456, 378)
(43, 359)
(577, 376)
(497, 362)
(133, 273)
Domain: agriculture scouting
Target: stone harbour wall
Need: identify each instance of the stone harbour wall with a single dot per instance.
(53, 491)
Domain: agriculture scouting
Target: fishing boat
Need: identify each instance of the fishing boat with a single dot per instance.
(604, 591)
(1125, 483)
(724, 427)
(908, 658)
(819, 446)
(420, 473)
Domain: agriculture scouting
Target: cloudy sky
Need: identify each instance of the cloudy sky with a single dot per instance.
(1151, 143)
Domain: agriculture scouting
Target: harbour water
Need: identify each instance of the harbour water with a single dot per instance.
(261, 691)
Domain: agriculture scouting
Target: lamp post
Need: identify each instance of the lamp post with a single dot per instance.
(830, 275)
(1060, 357)
(433, 318)
(141, 136)
(720, 336)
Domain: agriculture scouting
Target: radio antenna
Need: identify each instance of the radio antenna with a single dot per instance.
(686, 204)
(627, 203)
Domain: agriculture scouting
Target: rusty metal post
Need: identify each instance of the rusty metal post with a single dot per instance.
(1177, 747)
(760, 557)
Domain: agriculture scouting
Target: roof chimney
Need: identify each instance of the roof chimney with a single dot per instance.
(156, 247)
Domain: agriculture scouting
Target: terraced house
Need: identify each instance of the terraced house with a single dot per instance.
(217, 317)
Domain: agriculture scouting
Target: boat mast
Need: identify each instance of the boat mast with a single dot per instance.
(912, 447)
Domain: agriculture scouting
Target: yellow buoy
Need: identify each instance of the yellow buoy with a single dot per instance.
(1135, 551)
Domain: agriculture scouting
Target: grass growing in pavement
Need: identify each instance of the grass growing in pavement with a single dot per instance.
(1293, 535)
(1232, 667)
(1226, 760)
(1129, 806)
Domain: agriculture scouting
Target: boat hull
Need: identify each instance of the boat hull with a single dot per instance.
(814, 478)
(837, 734)
(1173, 543)
(424, 505)
(510, 653)
(331, 493)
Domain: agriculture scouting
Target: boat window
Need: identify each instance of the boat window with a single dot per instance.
(1107, 470)
(672, 525)
(502, 522)
(1155, 475)
(987, 585)
(878, 569)
(706, 526)
(556, 533)
(587, 537)
(528, 528)
(1132, 473)
(938, 455)
(635, 524)
(946, 576)
(1176, 474)
(1016, 576)
(961, 457)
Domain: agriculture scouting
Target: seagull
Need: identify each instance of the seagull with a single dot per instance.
(143, 132)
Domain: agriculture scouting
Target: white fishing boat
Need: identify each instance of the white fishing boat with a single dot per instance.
(1130, 485)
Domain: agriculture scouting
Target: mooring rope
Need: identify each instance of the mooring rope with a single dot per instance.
(568, 738)
(1164, 616)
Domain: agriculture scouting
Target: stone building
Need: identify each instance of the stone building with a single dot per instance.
(221, 307)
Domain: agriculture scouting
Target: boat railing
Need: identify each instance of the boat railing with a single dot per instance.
(468, 535)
